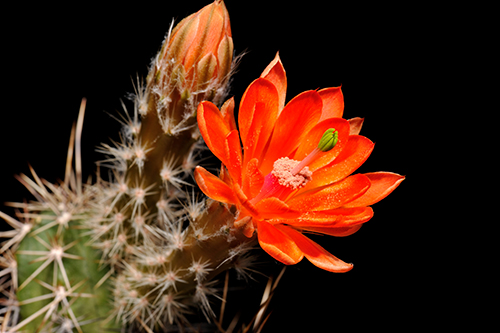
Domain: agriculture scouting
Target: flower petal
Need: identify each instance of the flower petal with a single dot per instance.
(382, 184)
(332, 196)
(209, 30)
(213, 187)
(257, 116)
(233, 155)
(337, 218)
(271, 208)
(253, 179)
(275, 72)
(356, 124)
(246, 226)
(295, 121)
(227, 112)
(311, 140)
(315, 253)
(333, 103)
(336, 232)
(213, 128)
(247, 207)
(277, 244)
(353, 155)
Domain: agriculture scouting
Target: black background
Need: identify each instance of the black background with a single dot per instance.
(55, 56)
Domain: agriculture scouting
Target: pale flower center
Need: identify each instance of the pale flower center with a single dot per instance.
(283, 180)
(282, 170)
(288, 175)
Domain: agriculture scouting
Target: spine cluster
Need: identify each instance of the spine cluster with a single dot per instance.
(164, 246)
(138, 251)
(51, 276)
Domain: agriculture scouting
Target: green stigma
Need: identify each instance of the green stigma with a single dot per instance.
(328, 140)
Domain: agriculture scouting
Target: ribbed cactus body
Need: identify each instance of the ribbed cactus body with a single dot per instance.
(139, 251)
(65, 288)
(160, 284)
(166, 246)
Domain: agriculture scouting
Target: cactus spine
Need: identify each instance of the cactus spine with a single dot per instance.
(139, 251)
(56, 275)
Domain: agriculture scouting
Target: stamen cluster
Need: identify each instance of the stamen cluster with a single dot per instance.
(282, 171)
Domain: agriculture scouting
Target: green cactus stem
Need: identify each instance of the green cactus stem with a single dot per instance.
(58, 275)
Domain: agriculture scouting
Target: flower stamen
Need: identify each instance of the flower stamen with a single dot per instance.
(283, 171)
(281, 181)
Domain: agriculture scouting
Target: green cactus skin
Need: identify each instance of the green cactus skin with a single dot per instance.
(89, 305)
(138, 252)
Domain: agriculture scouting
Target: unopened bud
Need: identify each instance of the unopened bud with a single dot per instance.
(193, 64)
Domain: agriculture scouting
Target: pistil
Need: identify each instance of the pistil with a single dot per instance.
(326, 143)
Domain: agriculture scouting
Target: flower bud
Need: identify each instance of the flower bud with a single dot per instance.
(193, 64)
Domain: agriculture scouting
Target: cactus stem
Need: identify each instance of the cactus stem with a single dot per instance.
(59, 294)
(55, 254)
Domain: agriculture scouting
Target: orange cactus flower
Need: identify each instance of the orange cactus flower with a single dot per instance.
(294, 173)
